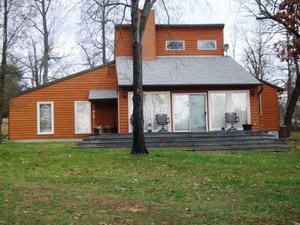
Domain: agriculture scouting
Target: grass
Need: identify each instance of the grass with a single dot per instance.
(52, 183)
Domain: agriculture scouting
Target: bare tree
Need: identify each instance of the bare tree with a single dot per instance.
(42, 11)
(259, 50)
(286, 15)
(3, 68)
(42, 58)
(96, 35)
(11, 24)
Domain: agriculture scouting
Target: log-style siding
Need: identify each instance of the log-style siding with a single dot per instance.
(23, 109)
(269, 108)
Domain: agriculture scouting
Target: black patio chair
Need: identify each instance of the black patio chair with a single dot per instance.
(162, 119)
(232, 118)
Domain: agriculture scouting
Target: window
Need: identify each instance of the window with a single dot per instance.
(175, 45)
(221, 102)
(82, 117)
(207, 45)
(45, 117)
(153, 103)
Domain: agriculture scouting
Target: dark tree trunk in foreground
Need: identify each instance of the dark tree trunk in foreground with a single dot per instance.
(292, 102)
(138, 24)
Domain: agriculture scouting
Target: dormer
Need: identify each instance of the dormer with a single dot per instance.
(187, 39)
(172, 40)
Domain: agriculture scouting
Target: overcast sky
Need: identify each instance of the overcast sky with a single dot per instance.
(188, 12)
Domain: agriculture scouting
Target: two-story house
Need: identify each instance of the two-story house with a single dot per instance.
(185, 75)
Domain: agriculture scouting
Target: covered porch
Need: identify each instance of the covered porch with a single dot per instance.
(104, 106)
(192, 110)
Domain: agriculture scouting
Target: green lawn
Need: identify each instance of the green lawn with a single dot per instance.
(53, 183)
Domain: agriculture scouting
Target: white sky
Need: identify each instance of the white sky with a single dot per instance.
(190, 11)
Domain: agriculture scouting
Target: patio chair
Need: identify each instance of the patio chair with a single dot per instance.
(162, 119)
(232, 118)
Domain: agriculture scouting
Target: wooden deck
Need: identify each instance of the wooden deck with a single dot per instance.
(203, 141)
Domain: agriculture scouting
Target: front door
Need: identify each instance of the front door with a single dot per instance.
(189, 112)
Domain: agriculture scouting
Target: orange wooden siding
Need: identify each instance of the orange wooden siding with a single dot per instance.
(23, 109)
(270, 111)
(123, 41)
(149, 39)
(123, 111)
(254, 109)
(190, 35)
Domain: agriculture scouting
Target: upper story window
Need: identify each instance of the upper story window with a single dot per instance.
(207, 45)
(175, 45)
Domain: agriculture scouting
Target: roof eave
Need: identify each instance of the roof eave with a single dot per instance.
(195, 85)
(217, 25)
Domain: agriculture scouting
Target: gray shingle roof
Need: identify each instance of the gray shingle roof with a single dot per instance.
(169, 71)
(97, 94)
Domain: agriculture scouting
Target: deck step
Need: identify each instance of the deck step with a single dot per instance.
(202, 141)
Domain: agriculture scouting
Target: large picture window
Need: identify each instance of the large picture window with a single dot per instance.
(45, 117)
(221, 102)
(153, 103)
(82, 117)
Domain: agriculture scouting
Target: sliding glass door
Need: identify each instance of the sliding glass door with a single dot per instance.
(189, 112)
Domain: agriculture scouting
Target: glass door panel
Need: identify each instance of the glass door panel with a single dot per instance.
(189, 112)
(217, 110)
(239, 105)
(181, 112)
(197, 113)
(160, 106)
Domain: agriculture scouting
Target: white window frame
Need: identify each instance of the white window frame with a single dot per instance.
(183, 45)
(208, 49)
(233, 91)
(75, 119)
(38, 118)
(173, 111)
(130, 108)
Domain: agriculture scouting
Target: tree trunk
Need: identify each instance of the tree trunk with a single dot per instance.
(138, 146)
(292, 102)
(3, 62)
